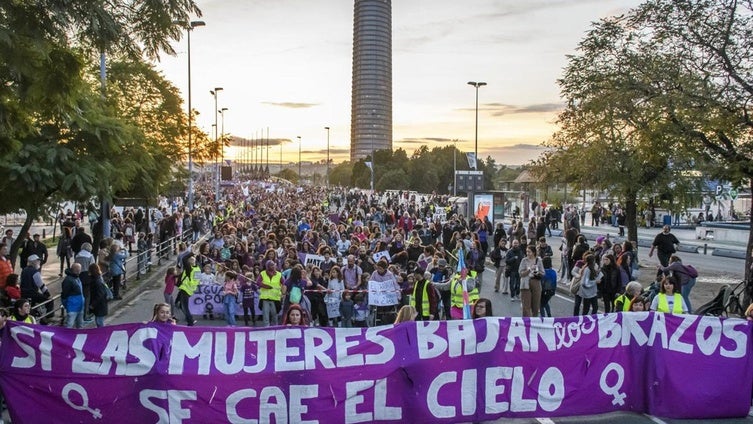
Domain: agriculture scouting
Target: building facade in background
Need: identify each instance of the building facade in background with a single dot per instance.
(371, 101)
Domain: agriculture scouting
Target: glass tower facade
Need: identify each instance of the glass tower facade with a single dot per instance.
(371, 101)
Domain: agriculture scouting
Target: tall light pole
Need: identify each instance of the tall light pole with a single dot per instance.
(299, 158)
(222, 136)
(373, 162)
(477, 85)
(214, 93)
(454, 167)
(191, 25)
(327, 128)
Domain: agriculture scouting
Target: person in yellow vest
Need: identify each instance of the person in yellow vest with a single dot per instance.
(455, 286)
(425, 298)
(187, 284)
(22, 312)
(669, 300)
(622, 303)
(272, 289)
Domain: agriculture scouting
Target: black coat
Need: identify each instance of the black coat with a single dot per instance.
(98, 302)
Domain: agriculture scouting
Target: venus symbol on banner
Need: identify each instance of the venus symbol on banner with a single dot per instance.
(77, 388)
(614, 390)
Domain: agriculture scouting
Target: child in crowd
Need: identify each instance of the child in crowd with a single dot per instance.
(548, 286)
(230, 297)
(171, 277)
(361, 312)
(248, 288)
(347, 309)
(162, 314)
(11, 288)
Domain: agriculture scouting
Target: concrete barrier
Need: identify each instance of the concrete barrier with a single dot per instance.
(688, 248)
(728, 253)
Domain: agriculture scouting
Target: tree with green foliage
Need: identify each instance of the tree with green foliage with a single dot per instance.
(615, 134)
(58, 139)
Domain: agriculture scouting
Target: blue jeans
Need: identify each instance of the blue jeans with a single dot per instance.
(514, 284)
(230, 302)
(100, 321)
(685, 291)
(74, 319)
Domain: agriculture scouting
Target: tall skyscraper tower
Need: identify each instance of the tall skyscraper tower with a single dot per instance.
(371, 101)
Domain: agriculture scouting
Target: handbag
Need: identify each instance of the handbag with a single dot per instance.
(575, 283)
(108, 292)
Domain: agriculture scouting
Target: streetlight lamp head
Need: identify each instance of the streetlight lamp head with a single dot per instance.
(473, 83)
(223, 109)
(326, 128)
(195, 24)
(481, 84)
(216, 89)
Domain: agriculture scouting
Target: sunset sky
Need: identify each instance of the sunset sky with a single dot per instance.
(286, 65)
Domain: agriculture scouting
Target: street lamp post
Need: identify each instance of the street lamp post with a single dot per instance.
(373, 162)
(454, 167)
(327, 128)
(191, 25)
(216, 165)
(477, 85)
(222, 136)
(299, 158)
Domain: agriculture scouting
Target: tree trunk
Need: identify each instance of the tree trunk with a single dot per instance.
(21, 237)
(747, 271)
(631, 220)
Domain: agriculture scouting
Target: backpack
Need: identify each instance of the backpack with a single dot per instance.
(691, 271)
(295, 294)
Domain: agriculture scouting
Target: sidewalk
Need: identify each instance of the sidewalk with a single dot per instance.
(708, 283)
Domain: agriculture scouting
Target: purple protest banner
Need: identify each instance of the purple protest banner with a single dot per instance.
(427, 372)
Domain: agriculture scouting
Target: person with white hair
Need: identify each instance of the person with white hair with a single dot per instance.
(632, 290)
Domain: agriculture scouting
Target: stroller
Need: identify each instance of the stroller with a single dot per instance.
(715, 307)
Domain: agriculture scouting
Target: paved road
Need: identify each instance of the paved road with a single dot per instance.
(139, 308)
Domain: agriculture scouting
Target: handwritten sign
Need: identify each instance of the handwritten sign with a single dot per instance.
(379, 255)
(383, 293)
(432, 371)
(313, 260)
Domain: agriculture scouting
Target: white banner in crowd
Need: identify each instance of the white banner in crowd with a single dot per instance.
(383, 293)
(315, 260)
(379, 255)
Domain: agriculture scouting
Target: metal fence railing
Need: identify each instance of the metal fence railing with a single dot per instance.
(135, 266)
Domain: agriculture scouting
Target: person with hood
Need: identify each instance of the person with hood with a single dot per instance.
(72, 297)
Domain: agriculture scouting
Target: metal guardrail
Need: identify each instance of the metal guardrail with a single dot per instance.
(143, 262)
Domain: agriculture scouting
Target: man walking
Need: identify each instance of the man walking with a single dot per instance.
(665, 244)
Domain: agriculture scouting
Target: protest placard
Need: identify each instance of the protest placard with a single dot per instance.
(383, 293)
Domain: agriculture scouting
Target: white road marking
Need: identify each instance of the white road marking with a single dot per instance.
(655, 419)
(545, 420)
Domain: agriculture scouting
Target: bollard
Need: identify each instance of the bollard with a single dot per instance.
(705, 248)
(44, 233)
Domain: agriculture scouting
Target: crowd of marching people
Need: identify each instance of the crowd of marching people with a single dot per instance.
(316, 251)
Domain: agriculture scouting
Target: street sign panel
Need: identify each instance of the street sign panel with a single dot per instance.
(733, 193)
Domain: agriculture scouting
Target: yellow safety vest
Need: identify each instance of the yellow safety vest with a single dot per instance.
(28, 320)
(275, 281)
(473, 295)
(425, 306)
(457, 291)
(190, 284)
(625, 302)
(663, 305)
